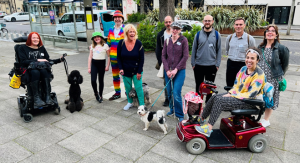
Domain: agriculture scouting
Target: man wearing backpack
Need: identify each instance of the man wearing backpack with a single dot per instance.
(236, 46)
(161, 37)
(206, 53)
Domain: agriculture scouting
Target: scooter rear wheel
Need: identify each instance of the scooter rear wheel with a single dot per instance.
(257, 144)
(196, 146)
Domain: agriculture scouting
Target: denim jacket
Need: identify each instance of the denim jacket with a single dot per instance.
(280, 59)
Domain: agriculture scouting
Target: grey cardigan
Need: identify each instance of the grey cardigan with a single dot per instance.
(280, 59)
(205, 53)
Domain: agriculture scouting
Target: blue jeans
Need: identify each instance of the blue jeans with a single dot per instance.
(178, 82)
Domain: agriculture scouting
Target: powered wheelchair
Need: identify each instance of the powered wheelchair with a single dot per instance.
(26, 101)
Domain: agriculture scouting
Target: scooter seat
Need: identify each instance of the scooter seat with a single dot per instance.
(253, 111)
(254, 102)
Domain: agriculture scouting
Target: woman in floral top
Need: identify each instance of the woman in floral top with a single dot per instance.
(249, 83)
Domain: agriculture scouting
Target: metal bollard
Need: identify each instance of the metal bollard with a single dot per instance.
(7, 36)
(1, 34)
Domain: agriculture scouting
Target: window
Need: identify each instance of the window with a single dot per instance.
(67, 19)
(95, 17)
(107, 17)
(80, 18)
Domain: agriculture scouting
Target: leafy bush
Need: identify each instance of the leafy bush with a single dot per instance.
(147, 34)
(264, 23)
(153, 16)
(190, 35)
(189, 14)
(136, 17)
(252, 17)
(223, 17)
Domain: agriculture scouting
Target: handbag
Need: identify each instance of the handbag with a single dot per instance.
(160, 73)
(15, 82)
(282, 83)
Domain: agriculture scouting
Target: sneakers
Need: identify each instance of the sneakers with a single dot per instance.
(171, 112)
(265, 123)
(129, 105)
(114, 97)
(101, 100)
(97, 97)
(204, 130)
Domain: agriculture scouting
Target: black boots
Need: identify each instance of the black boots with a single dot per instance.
(36, 96)
(166, 103)
(47, 87)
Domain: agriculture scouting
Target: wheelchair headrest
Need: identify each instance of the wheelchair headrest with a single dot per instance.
(20, 39)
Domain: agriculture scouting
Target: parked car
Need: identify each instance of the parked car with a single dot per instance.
(2, 14)
(190, 22)
(19, 16)
(103, 20)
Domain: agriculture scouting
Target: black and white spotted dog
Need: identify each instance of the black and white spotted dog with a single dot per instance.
(158, 116)
(134, 96)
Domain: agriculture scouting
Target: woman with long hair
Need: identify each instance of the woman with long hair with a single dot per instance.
(274, 63)
(35, 58)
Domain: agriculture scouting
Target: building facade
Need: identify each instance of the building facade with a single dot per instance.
(11, 6)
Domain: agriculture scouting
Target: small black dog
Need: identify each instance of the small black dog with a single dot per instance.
(75, 102)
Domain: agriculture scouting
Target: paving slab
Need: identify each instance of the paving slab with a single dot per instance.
(42, 138)
(131, 145)
(114, 125)
(228, 155)
(104, 155)
(286, 156)
(171, 148)
(12, 152)
(151, 157)
(268, 155)
(76, 122)
(11, 131)
(85, 141)
(54, 153)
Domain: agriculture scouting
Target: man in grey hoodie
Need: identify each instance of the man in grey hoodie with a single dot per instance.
(206, 53)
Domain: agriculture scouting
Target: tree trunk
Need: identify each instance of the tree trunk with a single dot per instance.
(166, 7)
(142, 7)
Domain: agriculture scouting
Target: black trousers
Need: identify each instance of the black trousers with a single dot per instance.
(98, 69)
(204, 72)
(38, 74)
(233, 68)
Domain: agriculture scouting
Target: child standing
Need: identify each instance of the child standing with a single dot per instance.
(96, 63)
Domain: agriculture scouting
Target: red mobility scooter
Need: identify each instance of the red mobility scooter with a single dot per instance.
(241, 130)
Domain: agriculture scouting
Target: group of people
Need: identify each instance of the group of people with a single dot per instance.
(248, 67)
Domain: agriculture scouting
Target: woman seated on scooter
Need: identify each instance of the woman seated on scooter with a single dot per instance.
(249, 83)
(34, 58)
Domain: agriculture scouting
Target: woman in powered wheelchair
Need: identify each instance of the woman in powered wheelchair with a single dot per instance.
(249, 84)
(33, 62)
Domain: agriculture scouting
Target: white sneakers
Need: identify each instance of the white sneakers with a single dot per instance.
(264, 123)
(129, 105)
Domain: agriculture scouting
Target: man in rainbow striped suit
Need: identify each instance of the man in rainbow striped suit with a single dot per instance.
(114, 36)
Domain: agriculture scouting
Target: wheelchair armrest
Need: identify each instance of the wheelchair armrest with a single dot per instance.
(227, 88)
(254, 102)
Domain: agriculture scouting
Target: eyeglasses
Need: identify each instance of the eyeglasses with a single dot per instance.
(207, 21)
(168, 22)
(271, 31)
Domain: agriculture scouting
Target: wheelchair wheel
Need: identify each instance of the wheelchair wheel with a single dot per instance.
(196, 146)
(257, 144)
(20, 105)
(27, 117)
(57, 111)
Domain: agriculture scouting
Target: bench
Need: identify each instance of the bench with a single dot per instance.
(56, 38)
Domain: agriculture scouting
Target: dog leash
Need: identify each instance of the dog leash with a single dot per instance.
(160, 94)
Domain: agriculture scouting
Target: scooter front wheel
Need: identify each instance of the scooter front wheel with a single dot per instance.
(196, 146)
(257, 144)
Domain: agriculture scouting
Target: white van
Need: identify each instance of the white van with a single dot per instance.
(103, 20)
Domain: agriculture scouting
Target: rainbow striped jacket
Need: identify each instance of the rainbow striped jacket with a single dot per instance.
(113, 42)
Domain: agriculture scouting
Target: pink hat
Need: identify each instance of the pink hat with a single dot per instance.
(118, 13)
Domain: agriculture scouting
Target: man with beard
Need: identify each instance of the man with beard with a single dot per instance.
(236, 46)
(115, 34)
(206, 53)
(161, 37)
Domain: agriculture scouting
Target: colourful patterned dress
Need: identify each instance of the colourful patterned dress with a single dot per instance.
(112, 42)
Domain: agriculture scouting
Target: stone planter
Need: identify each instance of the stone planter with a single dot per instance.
(257, 32)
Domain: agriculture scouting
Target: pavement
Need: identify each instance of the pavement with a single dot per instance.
(106, 133)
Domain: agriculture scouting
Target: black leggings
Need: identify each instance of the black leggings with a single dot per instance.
(98, 67)
(39, 74)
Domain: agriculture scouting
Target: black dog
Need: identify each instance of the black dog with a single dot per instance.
(75, 102)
